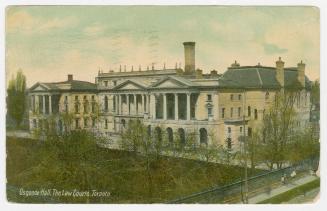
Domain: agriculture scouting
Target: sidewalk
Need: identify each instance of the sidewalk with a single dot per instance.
(263, 196)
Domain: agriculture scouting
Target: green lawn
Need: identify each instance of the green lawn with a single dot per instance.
(121, 173)
(288, 195)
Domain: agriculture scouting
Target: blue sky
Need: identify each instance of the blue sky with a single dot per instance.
(48, 42)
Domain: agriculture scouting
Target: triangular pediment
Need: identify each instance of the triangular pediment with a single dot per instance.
(170, 83)
(129, 85)
(38, 87)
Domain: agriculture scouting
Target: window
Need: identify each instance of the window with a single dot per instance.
(93, 107)
(76, 123)
(223, 113)
(229, 129)
(231, 112)
(85, 97)
(114, 83)
(209, 97)
(66, 107)
(93, 122)
(86, 122)
(249, 110)
(105, 83)
(106, 104)
(255, 114)
(76, 97)
(241, 129)
(92, 97)
(249, 131)
(231, 97)
(76, 108)
(66, 99)
(106, 124)
(239, 111)
(267, 96)
(239, 97)
(209, 111)
(85, 108)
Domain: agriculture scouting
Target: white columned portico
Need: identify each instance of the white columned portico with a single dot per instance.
(50, 104)
(43, 97)
(188, 106)
(176, 106)
(164, 106)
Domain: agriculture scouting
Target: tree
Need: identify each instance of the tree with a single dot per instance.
(315, 94)
(277, 129)
(16, 97)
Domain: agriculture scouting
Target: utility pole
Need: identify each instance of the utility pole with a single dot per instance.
(245, 152)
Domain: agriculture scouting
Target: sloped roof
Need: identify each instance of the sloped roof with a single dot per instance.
(258, 77)
(178, 79)
(72, 85)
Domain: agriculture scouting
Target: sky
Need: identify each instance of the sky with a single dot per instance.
(49, 42)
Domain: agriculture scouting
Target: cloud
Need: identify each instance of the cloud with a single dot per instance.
(271, 49)
(23, 22)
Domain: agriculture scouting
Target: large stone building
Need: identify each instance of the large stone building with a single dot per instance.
(172, 101)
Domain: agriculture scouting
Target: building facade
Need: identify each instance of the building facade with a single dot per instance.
(213, 107)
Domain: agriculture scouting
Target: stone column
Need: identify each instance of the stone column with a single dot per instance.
(188, 106)
(43, 97)
(153, 110)
(135, 104)
(164, 106)
(176, 106)
(119, 104)
(127, 103)
(143, 103)
(148, 104)
(50, 104)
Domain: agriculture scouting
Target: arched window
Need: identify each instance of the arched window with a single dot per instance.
(106, 103)
(203, 136)
(158, 135)
(181, 134)
(170, 135)
(123, 123)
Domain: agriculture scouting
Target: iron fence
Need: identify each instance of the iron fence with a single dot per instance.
(233, 193)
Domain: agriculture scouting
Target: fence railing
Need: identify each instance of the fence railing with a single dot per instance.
(233, 192)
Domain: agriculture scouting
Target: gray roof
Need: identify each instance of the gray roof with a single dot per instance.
(258, 77)
(74, 85)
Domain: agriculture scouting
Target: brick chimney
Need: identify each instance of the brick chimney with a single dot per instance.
(280, 71)
(198, 73)
(235, 64)
(301, 73)
(189, 53)
(70, 77)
